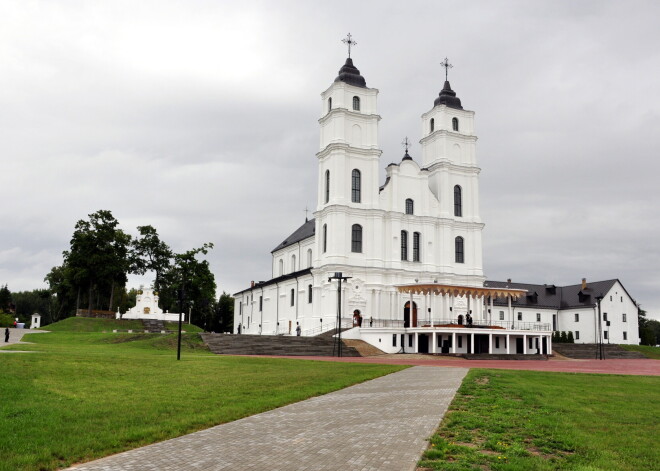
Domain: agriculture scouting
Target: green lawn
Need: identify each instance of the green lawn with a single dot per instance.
(528, 420)
(84, 395)
(89, 324)
(649, 351)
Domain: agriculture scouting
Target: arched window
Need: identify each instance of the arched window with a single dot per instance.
(458, 244)
(416, 245)
(281, 267)
(454, 124)
(404, 245)
(325, 238)
(329, 104)
(356, 238)
(356, 186)
(356, 103)
(293, 263)
(410, 206)
(458, 201)
(309, 294)
(432, 124)
(293, 296)
(327, 186)
(309, 258)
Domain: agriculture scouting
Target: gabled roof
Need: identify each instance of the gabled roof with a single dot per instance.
(302, 233)
(279, 279)
(555, 297)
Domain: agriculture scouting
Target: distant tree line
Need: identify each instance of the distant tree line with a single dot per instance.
(95, 270)
(649, 330)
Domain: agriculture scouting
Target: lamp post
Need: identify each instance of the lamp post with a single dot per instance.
(599, 298)
(181, 295)
(339, 277)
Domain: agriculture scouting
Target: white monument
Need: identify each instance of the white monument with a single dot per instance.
(146, 307)
(36, 321)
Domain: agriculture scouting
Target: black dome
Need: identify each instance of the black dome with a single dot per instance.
(448, 97)
(406, 157)
(351, 75)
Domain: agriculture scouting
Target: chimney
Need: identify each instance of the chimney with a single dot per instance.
(252, 284)
(584, 283)
(508, 280)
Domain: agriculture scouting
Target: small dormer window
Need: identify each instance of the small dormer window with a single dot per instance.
(356, 103)
(454, 124)
(432, 125)
(329, 104)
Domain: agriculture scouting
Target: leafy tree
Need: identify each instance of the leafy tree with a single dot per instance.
(224, 314)
(564, 337)
(649, 329)
(5, 299)
(30, 302)
(149, 253)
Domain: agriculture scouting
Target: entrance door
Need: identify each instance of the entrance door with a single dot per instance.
(423, 346)
(408, 319)
(481, 343)
(545, 345)
(520, 346)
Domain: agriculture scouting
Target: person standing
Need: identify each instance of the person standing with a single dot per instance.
(298, 329)
(7, 335)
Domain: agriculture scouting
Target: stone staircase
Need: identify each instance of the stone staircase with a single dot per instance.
(590, 351)
(154, 326)
(331, 333)
(224, 344)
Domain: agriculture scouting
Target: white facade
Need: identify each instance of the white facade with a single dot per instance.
(36, 321)
(422, 226)
(146, 307)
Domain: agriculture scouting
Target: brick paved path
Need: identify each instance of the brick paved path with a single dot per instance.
(15, 336)
(379, 425)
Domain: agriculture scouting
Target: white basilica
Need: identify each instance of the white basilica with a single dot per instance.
(412, 246)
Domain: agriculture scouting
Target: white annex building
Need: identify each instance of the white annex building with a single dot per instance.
(146, 307)
(412, 248)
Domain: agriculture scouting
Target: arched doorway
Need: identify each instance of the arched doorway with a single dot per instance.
(357, 318)
(410, 319)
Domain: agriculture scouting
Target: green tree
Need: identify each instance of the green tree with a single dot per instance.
(224, 319)
(569, 337)
(149, 253)
(563, 338)
(5, 299)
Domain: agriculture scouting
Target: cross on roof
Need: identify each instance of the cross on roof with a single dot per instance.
(306, 211)
(447, 66)
(348, 40)
(406, 143)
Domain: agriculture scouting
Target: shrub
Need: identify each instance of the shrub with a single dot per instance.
(564, 337)
(6, 320)
(570, 337)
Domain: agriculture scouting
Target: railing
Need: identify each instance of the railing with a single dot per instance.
(346, 322)
(484, 323)
(381, 323)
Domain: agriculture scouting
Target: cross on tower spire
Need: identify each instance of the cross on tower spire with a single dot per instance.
(445, 63)
(348, 40)
(306, 211)
(406, 143)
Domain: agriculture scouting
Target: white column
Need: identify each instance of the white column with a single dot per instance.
(490, 315)
(524, 344)
(471, 342)
(451, 306)
(453, 342)
(508, 344)
(433, 338)
(490, 343)
(416, 345)
(540, 349)
(510, 311)
(549, 344)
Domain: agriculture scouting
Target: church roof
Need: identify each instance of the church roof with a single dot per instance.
(554, 297)
(448, 97)
(351, 75)
(279, 279)
(302, 233)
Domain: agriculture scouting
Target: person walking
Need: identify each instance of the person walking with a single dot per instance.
(7, 335)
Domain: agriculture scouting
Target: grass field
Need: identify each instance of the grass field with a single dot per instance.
(526, 420)
(86, 394)
(88, 324)
(649, 351)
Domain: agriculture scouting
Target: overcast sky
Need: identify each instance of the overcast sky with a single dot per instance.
(200, 118)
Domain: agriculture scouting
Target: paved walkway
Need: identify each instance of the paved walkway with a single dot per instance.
(379, 425)
(644, 367)
(15, 336)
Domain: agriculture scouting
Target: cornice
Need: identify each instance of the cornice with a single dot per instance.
(346, 147)
(363, 116)
(444, 132)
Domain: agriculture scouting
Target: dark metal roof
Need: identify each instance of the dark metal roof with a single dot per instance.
(448, 97)
(555, 297)
(302, 233)
(351, 75)
(406, 157)
(279, 279)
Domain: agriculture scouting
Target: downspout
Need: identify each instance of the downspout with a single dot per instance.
(261, 323)
(277, 310)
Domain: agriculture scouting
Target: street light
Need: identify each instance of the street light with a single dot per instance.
(339, 277)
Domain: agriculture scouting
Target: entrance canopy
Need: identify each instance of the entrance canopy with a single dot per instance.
(469, 291)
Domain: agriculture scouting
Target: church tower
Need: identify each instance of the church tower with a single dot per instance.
(449, 153)
(348, 162)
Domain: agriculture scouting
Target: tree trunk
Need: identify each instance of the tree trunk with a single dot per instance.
(78, 301)
(112, 294)
(89, 300)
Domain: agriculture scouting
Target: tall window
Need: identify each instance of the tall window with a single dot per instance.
(261, 303)
(410, 206)
(356, 103)
(404, 245)
(432, 124)
(577, 317)
(356, 186)
(416, 237)
(577, 335)
(293, 296)
(309, 294)
(501, 315)
(454, 124)
(356, 238)
(458, 246)
(293, 263)
(625, 318)
(458, 201)
(625, 336)
(538, 317)
(329, 104)
(309, 258)
(520, 316)
(325, 238)
(281, 267)
(327, 186)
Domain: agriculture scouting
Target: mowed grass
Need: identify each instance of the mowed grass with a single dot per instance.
(83, 395)
(528, 420)
(648, 350)
(89, 324)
